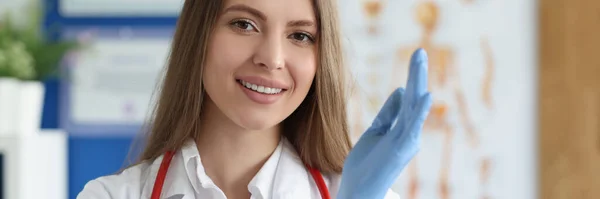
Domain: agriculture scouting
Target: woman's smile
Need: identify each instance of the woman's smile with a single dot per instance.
(262, 90)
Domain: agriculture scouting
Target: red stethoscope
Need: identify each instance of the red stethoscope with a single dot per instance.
(164, 167)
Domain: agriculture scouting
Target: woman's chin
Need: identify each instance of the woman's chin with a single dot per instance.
(257, 124)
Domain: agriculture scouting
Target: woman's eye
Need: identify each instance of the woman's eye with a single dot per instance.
(244, 25)
(302, 37)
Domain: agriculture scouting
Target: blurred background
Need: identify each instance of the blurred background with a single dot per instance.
(516, 113)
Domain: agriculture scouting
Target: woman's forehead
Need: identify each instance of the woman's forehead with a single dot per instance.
(276, 9)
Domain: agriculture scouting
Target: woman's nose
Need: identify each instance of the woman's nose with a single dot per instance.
(269, 54)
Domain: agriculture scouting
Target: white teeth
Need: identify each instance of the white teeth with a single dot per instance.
(261, 89)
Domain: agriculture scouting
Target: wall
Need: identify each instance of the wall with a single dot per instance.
(569, 111)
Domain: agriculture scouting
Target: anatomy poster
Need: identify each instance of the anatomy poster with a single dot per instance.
(479, 138)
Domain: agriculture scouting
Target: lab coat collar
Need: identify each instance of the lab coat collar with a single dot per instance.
(193, 166)
(261, 186)
(292, 180)
(262, 183)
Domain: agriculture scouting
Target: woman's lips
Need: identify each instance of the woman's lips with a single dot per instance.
(264, 95)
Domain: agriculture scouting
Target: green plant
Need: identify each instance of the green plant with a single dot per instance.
(25, 53)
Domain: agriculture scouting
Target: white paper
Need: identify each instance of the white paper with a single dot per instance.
(120, 7)
(113, 82)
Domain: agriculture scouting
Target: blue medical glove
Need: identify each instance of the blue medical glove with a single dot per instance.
(393, 139)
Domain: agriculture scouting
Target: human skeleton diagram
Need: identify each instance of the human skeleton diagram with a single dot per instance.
(449, 98)
(372, 9)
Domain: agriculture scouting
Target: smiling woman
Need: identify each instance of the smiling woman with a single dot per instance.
(253, 105)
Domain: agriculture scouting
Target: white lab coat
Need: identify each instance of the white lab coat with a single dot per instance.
(283, 176)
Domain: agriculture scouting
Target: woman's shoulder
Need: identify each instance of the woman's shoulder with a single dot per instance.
(334, 180)
(128, 183)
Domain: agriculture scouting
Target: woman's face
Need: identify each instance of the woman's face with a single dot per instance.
(261, 60)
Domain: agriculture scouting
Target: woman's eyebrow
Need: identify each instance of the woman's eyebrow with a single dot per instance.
(244, 8)
(258, 14)
(300, 23)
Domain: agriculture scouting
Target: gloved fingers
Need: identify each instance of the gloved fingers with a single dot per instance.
(406, 141)
(389, 111)
(417, 78)
(412, 131)
(386, 161)
(361, 150)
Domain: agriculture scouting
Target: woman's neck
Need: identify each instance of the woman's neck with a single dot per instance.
(230, 154)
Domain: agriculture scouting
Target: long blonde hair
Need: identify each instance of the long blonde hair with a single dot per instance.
(318, 129)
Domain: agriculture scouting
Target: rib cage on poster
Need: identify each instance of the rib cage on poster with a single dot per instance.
(478, 141)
